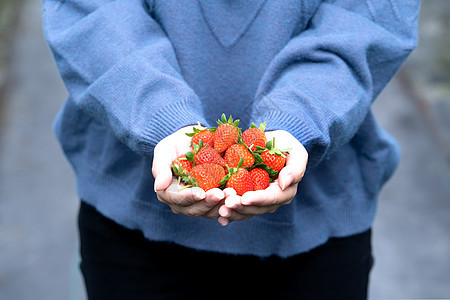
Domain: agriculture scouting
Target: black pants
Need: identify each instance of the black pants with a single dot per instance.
(118, 263)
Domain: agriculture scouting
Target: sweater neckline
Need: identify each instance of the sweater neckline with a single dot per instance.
(230, 20)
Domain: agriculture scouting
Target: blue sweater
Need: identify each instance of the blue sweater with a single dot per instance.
(137, 71)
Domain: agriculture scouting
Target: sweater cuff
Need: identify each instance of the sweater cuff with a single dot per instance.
(168, 120)
(284, 115)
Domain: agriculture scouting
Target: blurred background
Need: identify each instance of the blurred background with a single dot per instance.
(38, 203)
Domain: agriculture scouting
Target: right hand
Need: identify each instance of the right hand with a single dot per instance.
(281, 192)
(193, 202)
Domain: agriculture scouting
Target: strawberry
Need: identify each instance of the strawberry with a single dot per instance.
(206, 176)
(240, 181)
(181, 165)
(237, 151)
(206, 135)
(255, 136)
(260, 179)
(208, 155)
(201, 133)
(226, 134)
(273, 157)
(274, 161)
(238, 178)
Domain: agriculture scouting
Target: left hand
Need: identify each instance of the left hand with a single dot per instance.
(280, 192)
(193, 201)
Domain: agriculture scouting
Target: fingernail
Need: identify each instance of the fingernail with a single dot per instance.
(219, 195)
(198, 192)
(286, 182)
(245, 200)
(224, 212)
(157, 184)
(222, 221)
(229, 203)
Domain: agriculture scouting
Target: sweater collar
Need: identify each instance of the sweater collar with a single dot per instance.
(229, 20)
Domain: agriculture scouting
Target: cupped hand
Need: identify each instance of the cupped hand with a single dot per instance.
(281, 192)
(192, 201)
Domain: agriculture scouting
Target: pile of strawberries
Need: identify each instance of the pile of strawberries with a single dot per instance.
(226, 157)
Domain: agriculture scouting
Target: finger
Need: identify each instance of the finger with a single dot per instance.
(214, 196)
(163, 180)
(273, 195)
(213, 201)
(161, 167)
(198, 209)
(224, 211)
(185, 197)
(250, 211)
(223, 221)
(207, 207)
(233, 201)
(295, 168)
(213, 213)
(237, 216)
(229, 192)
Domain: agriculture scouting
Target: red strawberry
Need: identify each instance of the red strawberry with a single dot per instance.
(237, 151)
(260, 179)
(275, 161)
(206, 176)
(240, 181)
(274, 157)
(208, 155)
(226, 134)
(206, 136)
(255, 136)
(181, 165)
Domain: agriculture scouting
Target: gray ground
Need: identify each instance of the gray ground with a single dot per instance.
(38, 202)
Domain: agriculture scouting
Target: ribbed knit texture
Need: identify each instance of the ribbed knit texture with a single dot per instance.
(137, 71)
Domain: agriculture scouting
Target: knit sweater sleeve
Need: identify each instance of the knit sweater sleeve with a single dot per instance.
(321, 84)
(119, 66)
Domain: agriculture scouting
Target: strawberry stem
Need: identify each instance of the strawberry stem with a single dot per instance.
(184, 187)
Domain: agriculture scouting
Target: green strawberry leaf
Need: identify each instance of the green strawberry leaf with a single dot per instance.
(262, 126)
(195, 131)
(225, 179)
(197, 147)
(272, 172)
(258, 158)
(241, 162)
(174, 168)
(261, 165)
(178, 170)
(224, 119)
(190, 156)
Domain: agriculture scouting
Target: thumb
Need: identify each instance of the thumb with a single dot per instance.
(161, 168)
(163, 179)
(295, 167)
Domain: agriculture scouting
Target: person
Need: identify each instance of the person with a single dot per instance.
(140, 74)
